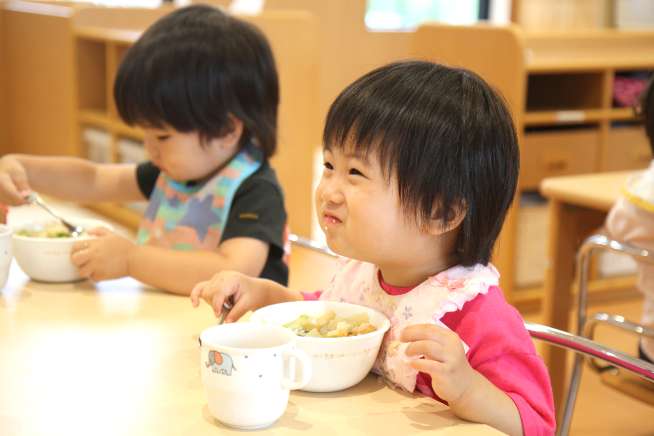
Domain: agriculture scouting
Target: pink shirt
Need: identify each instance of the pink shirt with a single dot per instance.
(500, 349)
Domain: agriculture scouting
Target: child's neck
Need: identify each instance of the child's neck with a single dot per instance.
(412, 275)
(417, 266)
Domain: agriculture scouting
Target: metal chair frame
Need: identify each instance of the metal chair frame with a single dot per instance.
(586, 327)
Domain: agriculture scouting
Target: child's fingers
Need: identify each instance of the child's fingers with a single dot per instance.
(20, 181)
(10, 194)
(425, 332)
(80, 257)
(87, 270)
(80, 246)
(241, 307)
(430, 349)
(217, 303)
(196, 292)
(99, 231)
(427, 366)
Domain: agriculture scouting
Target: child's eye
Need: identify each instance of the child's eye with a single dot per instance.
(162, 137)
(328, 165)
(356, 172)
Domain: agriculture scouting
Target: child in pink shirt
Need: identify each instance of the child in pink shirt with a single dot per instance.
(420, 167)
(632, 220)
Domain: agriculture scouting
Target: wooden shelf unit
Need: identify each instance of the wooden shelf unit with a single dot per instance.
(292, 35)
(559, 86)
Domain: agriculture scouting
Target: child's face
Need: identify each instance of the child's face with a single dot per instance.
(359, 211)
(183, 157)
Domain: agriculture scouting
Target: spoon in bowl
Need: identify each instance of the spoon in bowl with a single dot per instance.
(33, 198)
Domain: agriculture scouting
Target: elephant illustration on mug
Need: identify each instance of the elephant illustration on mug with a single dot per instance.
(220, 363)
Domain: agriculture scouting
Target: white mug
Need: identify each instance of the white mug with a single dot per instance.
(248, 370)
(5, 253)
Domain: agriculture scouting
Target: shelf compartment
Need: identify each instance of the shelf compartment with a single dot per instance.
(627, 148)
(91, 75)
(130, 151)
(94, 117)
(627, 87)
(564, 92)
(128, 131)
(98, 144)
(558, 152)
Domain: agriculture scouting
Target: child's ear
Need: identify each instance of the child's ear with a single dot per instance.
(437, 226)
(232, 138)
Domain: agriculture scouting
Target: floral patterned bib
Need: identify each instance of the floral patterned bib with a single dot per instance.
(358, 283)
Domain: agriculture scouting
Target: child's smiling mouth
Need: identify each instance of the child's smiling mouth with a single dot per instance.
(330, 220)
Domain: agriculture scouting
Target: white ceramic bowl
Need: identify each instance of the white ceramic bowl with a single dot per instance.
(48, 259)
(337, 363)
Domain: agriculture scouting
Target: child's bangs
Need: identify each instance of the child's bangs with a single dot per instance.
(163, 96)
(364, 132)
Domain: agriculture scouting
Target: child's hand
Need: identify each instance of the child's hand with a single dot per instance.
(103, 258)
(247, 293)
(13, 182)
(444, 359)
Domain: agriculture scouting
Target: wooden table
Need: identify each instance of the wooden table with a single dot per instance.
(578, 205)
(118, 358)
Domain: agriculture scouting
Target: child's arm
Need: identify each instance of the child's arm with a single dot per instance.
(68, 178)
(469, 394)
(248, 293)
(110, 256)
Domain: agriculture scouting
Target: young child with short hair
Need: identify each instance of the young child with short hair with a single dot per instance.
(631, 220)
(203, 86)
(420, 167)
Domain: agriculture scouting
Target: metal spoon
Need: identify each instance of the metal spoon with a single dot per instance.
(33, 198)
(227, 306)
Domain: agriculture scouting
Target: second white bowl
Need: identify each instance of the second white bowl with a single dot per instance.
(48, 259)
(337, 363)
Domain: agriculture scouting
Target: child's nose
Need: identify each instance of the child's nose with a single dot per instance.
(331, 192)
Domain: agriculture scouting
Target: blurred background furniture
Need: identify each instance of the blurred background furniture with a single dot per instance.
(560, 88)
(577, 207)
(638, 380)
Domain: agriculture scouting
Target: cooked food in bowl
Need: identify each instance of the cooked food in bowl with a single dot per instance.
(328, 325)
(337, 362)
(48, 230)
(42, 250)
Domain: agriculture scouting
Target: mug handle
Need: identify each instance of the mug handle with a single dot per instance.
(290, 359)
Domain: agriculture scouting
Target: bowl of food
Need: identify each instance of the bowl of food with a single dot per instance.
(341, 339)
(42, 249)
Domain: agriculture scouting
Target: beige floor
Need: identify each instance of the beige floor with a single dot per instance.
(600, 410)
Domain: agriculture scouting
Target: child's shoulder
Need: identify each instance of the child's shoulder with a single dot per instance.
(264, 179)
(489, 322)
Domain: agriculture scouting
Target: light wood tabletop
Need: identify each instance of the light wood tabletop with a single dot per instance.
(597, 191)
(119, 358)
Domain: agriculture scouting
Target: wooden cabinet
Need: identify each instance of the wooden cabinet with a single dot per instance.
(559, 86)
(628, 148)
(557, 153)
(103, 136)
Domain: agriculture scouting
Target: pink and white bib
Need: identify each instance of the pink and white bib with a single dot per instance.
(358, 283)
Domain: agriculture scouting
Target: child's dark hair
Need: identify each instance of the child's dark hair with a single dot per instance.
(193, 68)
(647, 111)
(447, 136)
